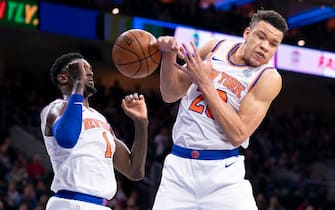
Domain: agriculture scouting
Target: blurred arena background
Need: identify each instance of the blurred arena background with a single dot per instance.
(291, 160)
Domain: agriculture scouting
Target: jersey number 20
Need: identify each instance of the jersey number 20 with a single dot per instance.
(199, 108)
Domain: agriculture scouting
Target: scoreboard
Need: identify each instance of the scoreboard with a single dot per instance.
(19, 13)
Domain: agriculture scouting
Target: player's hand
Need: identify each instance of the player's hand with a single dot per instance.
(198, 70)
(77, 71)
(169, 44)
(135, 107)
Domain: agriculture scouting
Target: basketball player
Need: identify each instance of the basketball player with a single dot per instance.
(81, 144)
(225, 89)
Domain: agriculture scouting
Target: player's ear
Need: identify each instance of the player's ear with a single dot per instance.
(246, 32)
(62, 79)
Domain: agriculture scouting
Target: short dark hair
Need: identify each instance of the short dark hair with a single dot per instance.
(269, 16)
(61, 62)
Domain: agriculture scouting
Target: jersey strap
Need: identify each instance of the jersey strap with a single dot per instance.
(217, 45)
(203, 154)
(258, 77)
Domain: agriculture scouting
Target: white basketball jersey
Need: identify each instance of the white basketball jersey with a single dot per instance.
(88, 166)
(195, 127)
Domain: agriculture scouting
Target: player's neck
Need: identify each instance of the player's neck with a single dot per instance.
(236, 55)
(85, 103)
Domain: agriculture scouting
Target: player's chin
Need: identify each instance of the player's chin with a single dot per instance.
(256, 62)
(90, 89)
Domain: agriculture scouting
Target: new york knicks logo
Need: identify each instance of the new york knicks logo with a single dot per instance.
(247, 73)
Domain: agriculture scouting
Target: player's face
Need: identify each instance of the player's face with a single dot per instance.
(261, 43)
(88, 75)
(90, 89)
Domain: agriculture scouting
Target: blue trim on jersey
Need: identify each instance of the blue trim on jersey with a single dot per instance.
(81, 197)
(229, 55)
(217, 44)
(203, 154)
(259, 76)
(66, 129)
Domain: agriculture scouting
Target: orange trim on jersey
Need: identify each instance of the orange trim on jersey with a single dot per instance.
(254, 82)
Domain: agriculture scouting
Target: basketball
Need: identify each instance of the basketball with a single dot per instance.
(136, 53)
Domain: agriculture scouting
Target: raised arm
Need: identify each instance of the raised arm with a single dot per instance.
(132, 163)
(173, 82)
(64, 120)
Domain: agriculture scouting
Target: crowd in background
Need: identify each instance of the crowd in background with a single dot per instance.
(288, 161)
(320, 35)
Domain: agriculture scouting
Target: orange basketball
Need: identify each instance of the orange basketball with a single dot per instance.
(136, 53)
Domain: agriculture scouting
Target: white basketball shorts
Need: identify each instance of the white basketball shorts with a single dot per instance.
(193, 184)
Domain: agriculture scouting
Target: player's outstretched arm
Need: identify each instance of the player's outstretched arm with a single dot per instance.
(173, 83)
(132, 163)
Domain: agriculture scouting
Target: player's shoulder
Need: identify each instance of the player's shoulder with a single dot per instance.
(56, 104)
(266, 75)
(268, 70)
(208, 47)
(217, 44)
(269, 82)
(53, 107)
(273, 74)
(97, 114)
(210, 44)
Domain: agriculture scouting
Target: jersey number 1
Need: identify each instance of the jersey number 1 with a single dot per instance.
(108, 152)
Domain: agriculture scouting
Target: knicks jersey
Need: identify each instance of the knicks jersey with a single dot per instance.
(88, 166)
(195, 127)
